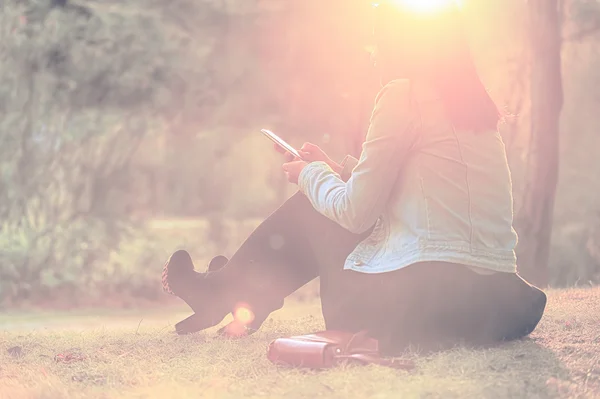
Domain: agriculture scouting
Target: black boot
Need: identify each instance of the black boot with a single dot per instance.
(201, 291)
(282, 254)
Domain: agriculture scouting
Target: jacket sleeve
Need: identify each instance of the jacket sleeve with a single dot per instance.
(357, 203)
(348, 165)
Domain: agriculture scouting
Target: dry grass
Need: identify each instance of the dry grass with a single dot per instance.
(123, 358)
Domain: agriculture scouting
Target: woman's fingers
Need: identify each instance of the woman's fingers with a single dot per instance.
(312, 152)
(307, 156)
(310, 147)
(288, 157)
(279, 149)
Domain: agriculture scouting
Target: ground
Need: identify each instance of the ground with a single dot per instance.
(135, 354)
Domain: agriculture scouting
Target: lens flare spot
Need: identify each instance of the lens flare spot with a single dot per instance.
(243, 315)
(422, 6)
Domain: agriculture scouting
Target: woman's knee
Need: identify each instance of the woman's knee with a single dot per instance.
(538, 307)
(530, 315)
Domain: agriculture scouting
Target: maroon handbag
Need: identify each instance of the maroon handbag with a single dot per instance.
(327, 349)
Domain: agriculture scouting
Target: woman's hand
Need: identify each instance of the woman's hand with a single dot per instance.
(293, 169)
(311, 153)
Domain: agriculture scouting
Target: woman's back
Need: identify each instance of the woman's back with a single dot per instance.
(453, 198)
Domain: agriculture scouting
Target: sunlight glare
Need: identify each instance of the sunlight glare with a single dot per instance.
(425, 6)
(243, 315)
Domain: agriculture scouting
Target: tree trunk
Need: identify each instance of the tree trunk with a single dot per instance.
(534, 221)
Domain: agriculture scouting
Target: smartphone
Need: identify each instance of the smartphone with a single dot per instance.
(281, 143)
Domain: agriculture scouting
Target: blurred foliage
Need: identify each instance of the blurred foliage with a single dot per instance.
(121, 118)
(80, 91)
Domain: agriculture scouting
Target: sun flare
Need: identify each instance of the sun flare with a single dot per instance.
(424, 6)
(243, 315)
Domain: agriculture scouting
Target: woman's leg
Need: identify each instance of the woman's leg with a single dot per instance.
(291, 247)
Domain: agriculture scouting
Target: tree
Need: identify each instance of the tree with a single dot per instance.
(79, 91)
(534, 221)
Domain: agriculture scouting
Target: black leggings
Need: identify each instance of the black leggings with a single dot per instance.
(431, 305)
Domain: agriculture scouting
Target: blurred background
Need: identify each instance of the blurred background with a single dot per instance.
(130, 129)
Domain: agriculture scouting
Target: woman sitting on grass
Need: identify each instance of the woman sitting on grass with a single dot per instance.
(413, 242)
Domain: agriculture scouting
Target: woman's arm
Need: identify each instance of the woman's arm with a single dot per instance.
(357, 203)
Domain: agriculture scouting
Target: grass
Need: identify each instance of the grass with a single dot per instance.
(136, 355)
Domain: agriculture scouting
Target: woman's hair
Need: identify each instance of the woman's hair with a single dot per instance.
(434, 46)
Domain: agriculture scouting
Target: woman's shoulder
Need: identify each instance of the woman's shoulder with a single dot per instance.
(399, 86)
(416, 90)
(395, 91)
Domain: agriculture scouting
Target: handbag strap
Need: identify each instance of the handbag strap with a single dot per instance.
(374, 357)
